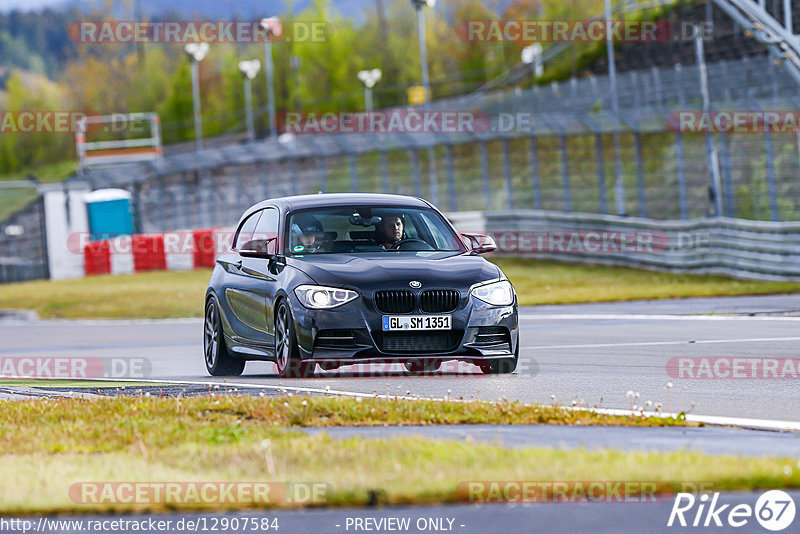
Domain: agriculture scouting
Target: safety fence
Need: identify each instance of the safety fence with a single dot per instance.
(730, 247)
(23, 246)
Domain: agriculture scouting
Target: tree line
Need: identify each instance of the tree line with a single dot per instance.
(312, 75)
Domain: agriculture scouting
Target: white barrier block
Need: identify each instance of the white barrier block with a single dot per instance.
(180, 262)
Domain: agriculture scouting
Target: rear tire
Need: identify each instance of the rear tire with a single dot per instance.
(287, 353)
(502, 366)
(218, 360)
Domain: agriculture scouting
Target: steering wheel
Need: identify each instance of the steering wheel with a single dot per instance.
(412, 241)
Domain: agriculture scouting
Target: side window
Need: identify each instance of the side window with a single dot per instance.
(411, 229)
(266, 230)
(245, 233)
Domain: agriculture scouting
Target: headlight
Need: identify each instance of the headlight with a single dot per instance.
(321, 298)
(496, 293)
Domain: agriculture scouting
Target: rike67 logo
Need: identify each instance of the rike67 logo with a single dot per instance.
(774, 510)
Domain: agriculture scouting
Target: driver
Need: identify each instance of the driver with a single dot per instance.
(389, 232)
(310, 235)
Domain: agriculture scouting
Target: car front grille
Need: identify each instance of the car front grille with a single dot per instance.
(394, 301)
(439, 300)
(421, 342)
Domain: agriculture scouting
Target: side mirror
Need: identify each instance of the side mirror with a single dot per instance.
(480, 243)
(260, 248)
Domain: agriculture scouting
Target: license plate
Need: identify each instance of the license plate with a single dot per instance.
(417, 322)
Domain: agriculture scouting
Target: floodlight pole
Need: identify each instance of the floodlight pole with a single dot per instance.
(249, 70)
(423, 56)
(715, 185)
(272, 28)
(248, 104)
(423, 50)
(619, 185)
(369, 78)
(198, 124)
(196, 52)
(368, 98)
(268, 69)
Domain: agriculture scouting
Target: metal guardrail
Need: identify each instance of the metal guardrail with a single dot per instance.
(731, 247)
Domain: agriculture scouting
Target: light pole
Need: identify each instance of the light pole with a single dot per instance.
(249, 69)
(619, 185)
(274, 28)
(196, 53)
(715, 185)
(532, 55)
(423, 57)
(369, 78)
(423, 46)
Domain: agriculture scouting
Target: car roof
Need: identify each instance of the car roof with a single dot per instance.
(339, 199)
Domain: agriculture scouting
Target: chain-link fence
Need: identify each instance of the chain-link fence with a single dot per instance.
(548, 149)
(23, 247)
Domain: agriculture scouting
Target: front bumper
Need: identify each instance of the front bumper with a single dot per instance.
(353, 333)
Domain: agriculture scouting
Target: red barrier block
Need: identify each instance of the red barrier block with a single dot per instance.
(97, 258)
(204, 248)
(148, 253)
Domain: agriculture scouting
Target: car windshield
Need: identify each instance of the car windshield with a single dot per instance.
(364, 229)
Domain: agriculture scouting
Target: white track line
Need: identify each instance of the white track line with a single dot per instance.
(636, 317)
(715, 420)
(657, 343)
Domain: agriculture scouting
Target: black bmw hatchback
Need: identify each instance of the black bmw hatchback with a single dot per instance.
(342, 279)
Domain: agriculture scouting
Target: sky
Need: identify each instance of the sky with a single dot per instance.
(8, 5)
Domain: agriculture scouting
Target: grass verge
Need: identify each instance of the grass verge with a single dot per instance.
(49, 447)
(153, 295)
(159, 295)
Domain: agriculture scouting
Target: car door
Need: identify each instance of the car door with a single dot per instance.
(248, 279)
(265, 238)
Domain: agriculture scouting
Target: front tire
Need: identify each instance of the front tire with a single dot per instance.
(287, 353)
(218, 360)
(503, 366)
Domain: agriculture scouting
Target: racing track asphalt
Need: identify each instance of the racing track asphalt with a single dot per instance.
(593, 353)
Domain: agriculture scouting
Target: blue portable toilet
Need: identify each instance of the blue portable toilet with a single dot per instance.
(110, 213)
